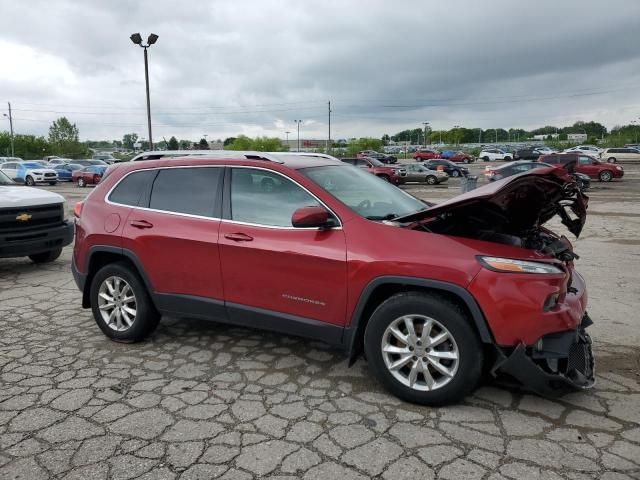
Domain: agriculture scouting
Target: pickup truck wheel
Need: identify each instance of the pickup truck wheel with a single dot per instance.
(121, 305)
(29, 181)
(431, 180)
(46, 257)
(605, 176)
(611, 160)
(423, 349)
(82, 183)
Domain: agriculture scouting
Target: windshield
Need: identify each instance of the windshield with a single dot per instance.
(375, 162)
(4, 180)
(31, 165)
(365, 194)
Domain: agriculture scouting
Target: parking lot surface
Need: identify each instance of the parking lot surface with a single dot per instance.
(201, 400)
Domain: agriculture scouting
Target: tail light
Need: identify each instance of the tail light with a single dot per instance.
(77, 210)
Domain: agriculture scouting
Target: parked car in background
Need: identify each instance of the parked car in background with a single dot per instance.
(10, 159)
(105, 157)
(29, 172)
(450, 168)
(461, 157)
(65, 171)
(437, 296)
(583, 181)
(528, 153)
(586, 149)
(425, 154)
(395, 175)
(48, 158)
(512, 168)
(382, 157)
(88, 163)
(59, 161)
(546, 150)
(417, 172)
(605, 172)
(492, 154)
(88, 175)
(620, 155)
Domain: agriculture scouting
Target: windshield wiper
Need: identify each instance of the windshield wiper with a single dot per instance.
(388, 216)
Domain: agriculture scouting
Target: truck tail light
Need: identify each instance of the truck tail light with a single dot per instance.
(77, 210)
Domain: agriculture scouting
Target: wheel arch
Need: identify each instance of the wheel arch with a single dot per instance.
(382, 288)
(102, 255)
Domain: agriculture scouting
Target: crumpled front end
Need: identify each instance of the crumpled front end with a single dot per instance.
(556, 364)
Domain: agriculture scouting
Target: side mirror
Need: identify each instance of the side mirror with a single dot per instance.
(312, 217)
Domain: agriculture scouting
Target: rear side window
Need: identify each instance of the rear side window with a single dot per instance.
(130, 190)
(193, 191)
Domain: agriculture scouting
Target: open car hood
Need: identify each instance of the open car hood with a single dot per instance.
(527, 200)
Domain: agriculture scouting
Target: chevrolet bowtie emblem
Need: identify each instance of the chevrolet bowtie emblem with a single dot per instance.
(24, 217)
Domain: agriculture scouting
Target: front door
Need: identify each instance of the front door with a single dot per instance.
(586, 166)
(270, 269)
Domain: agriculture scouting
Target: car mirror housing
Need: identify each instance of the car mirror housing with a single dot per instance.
(312, 217)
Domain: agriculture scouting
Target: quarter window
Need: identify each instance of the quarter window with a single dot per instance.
(265, 198)
(186, 190)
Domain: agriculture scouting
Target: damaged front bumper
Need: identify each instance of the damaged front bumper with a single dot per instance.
(556, 364)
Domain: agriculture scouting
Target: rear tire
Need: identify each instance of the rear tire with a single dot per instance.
(45, 257)
(605, 176)
(81, 183)
(385, 178)
(120, 282)
(486, 159)
(431, 180)
(417, 369)
(455, 173)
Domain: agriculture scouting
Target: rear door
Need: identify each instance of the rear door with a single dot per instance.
(270, 269)
(174, 233)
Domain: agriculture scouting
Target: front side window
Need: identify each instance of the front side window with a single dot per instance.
(266, 198)
(585, 161)
(186, 190)
(363, 193)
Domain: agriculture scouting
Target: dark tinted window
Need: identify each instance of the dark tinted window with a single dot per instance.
(186, 190)
(350, 161)
(550, 159)
(130, 189)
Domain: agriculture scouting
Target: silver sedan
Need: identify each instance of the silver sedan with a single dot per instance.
(417, 172)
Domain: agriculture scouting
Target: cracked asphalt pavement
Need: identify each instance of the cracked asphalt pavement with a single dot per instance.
(201, 400)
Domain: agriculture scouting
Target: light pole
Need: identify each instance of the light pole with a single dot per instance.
(480, 135)
(137, 39)
(455, 133)
(426, 125)
(10, 127)
(636, 129)
(287, 141)
(496, 134)
(298, 122)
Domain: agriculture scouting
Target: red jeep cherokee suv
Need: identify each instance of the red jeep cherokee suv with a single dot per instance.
(434, 294)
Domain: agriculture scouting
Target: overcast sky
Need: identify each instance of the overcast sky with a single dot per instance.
(223, 68)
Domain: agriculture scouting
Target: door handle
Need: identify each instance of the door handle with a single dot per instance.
(141, 224)
(238, 237)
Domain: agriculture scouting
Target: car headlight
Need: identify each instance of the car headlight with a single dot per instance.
(509, 265)
(618, 167)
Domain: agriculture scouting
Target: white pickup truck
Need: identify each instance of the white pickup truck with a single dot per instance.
(32, 222)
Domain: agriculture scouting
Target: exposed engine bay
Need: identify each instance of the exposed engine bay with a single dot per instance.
(512, 215)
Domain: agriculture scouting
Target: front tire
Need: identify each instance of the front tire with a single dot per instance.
(385, 178)
(121, 305)
(486, 159)
(81, 183)
(46, 257)
(52, 183)
(455, 173)
(612, 160)
(29, 181)
(423, 349)
(507, 159)
(605, 176)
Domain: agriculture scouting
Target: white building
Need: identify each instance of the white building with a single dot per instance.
(577, 137)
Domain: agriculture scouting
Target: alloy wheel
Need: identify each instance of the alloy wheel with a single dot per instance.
(420, 352)
(117, 303)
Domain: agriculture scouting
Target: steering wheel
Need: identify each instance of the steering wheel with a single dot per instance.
(364, 204)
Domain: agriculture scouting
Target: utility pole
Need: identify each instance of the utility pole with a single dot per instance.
(329, 139)
(298, 122)
(480, 135)
(287, 141)
(13, 154)
(426, 125)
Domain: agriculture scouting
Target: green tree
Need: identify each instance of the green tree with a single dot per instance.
(228, 141)
(173, 144)
(365, 143)
(128, 140)
(203, 144)
(64, 139)
(241, 142)
(385, 139)
(259, 144)
(28, 147)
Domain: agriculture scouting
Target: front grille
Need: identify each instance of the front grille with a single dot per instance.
(49, 174)
(16, 220)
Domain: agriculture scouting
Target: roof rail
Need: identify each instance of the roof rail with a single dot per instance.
(249, 155)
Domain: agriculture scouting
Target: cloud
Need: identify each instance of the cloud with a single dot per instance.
(226, 67)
